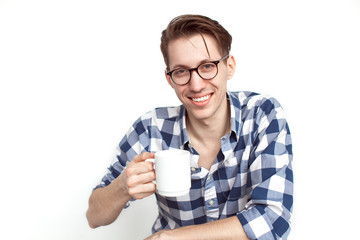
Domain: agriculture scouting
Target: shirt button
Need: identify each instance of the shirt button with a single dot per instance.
(211, 202)
(193, 169)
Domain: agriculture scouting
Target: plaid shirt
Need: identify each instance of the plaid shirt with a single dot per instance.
(251, 177)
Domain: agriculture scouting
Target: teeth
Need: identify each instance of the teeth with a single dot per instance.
(201, 99)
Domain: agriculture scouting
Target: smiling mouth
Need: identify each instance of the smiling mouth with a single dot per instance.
(201, 99)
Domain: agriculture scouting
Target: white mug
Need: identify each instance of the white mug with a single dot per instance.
(173, 174)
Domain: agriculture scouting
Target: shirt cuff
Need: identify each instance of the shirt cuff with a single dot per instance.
(256, 224)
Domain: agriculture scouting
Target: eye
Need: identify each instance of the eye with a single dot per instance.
(207, 67)
(180, 72)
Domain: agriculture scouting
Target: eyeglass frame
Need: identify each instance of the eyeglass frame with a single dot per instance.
(197, 70)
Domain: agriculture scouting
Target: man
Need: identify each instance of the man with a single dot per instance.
(240, 147)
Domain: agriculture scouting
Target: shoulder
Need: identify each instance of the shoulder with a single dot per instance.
(148, 126)
(252, 99)
(161, 115)
(167, 112)
(164, 113)
(247, 101)
(252, 110)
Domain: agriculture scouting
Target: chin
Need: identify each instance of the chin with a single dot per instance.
(199, 114)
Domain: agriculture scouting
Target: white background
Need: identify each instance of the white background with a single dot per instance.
(75, 74)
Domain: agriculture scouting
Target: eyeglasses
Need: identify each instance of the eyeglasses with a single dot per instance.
(206, 71)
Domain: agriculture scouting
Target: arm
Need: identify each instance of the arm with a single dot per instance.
(225, 229)
(129, 177)
(105, 204)
(270, 176)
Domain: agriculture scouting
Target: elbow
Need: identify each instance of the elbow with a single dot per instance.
(92, 226)
(90, 220)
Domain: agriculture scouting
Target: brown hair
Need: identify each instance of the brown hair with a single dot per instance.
(186, 25)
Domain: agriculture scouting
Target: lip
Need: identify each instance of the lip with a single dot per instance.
(199, 102)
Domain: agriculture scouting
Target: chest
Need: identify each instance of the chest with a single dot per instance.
(207, 153)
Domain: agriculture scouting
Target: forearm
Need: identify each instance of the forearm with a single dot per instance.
(225, 229)
(105, 204)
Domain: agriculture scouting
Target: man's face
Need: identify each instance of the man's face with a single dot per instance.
(203, 99)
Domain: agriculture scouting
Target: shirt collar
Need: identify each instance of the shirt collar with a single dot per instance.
(235, 113)
(184, 137)
(234, 118)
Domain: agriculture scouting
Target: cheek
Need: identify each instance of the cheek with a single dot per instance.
(179, 93)
(176, 90)
(225, 75)
(221, 82)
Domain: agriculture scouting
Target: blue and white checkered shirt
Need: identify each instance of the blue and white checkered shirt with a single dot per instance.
(251, 177)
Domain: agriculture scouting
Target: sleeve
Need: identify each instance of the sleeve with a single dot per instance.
(270, 177)
(134, 142)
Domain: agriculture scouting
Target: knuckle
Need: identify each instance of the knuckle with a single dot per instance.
(149, 166)
(141, 156)
(153, 187)
(130, 171)
(137, 157)
(152, 175)
(138, 197)
(130, 182)
(131, 192)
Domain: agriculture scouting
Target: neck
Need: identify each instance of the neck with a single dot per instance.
(210, 129)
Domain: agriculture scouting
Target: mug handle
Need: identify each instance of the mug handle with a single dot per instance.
(153, 162)
(150, 160)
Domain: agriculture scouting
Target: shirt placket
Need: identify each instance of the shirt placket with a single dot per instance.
(211, 206)
(210, 196)
(211, 202)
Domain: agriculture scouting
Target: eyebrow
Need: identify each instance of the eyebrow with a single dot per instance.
(181, 66)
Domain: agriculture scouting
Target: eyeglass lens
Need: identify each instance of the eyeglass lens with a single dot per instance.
(205, 70)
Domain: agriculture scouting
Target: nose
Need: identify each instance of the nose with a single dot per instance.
(196, 83)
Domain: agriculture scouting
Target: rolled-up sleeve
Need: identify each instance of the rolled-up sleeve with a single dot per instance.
(270, 177)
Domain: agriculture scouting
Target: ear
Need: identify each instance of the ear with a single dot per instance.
(169, 80)
(231, 64)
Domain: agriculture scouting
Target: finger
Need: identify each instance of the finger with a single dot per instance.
(141, 191)
(143, 156)
(140, 179)
(136, 168)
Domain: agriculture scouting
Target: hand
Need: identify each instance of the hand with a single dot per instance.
(139, 176)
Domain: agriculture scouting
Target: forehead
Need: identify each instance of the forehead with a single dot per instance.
(190, 51)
